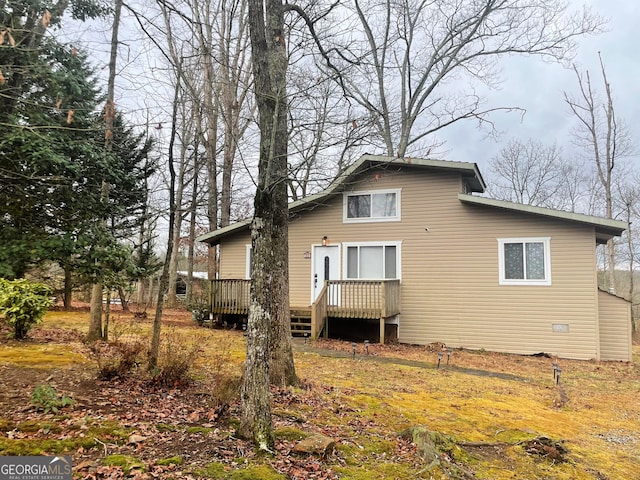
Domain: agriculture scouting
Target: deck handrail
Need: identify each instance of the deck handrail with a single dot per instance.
(363, 298)
(319, 313)
(372, 299)
(392, 300)
(230, 296)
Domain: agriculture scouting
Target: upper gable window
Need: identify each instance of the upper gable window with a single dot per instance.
(372, 206)
(524, 261)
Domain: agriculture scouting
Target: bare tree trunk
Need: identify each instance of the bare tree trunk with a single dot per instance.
(192, 236)
(95, 325)
(68, 290)
(210, 140)
(172, 280)
(107, 316)
(164, 278)
(95, 311)
(124, 302)
(604, 139)
(269, 230)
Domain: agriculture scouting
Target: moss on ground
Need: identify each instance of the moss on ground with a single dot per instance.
(219, 471)
(197, 430)
(6, 425)
(363, 402)
(381, 471)
(86, 436)
(126, 462)
(41, 446)
(175, 460)
(33, 426)
(290, 433)
(35, 355)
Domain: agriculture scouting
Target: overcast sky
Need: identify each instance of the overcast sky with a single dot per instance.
(528, 83)
(538, 87)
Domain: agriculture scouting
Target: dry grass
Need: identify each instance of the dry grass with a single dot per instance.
(488, 410)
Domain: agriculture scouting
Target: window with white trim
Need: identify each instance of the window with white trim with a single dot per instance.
(524, 261)
(372, 206)
(372, 261)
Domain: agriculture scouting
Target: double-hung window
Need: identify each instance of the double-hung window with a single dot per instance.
(524, 261)
(372, 261)
(372, 206)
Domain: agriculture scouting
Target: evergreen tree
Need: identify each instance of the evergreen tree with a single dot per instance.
(52, 156)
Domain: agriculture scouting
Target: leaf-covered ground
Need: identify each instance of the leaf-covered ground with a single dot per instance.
(491, 416)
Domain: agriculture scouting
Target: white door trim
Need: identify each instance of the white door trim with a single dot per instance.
(334, 272)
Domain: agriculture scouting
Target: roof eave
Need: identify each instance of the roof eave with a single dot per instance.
(605, 228)
(214, 237)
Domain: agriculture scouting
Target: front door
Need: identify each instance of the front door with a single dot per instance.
(326, 266)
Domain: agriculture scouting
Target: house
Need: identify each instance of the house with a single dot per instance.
(407, 244)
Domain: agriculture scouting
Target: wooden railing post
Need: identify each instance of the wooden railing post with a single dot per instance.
(319, 316)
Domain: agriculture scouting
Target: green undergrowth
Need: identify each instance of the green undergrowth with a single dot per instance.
(44, 356)
(219, 471)
(380, 471)
(175, 460)
(33, 426)
(86, 433)
(362, 451)
(290, 433)
(125, 462)
(199, 430)
(41, 446)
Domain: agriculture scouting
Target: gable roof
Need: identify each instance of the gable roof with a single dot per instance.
(467, 170)
(605, 228)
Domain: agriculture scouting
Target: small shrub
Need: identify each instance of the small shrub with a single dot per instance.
(199, 312)
(122, 354)
(117, 359)
(177, 355)
(23, 303)
(226, 392)
(226, 374)
(46, 398)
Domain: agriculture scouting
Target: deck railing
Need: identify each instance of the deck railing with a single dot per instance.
(373, 299)
(363, 298)
(319, 313)
(230, 296)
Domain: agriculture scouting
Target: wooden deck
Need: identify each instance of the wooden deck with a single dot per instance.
(363, 299)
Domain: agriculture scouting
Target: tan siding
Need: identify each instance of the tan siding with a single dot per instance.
(457, 289)
(450, 290)
(233, 254)
(615, 328)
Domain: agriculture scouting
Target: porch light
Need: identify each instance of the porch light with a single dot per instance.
(325, 241)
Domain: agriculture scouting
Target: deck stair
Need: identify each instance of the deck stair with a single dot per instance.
(301, 322)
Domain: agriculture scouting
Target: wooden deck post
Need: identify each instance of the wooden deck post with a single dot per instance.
(383, 309)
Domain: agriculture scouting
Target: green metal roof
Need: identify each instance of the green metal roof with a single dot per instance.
(605, 228)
